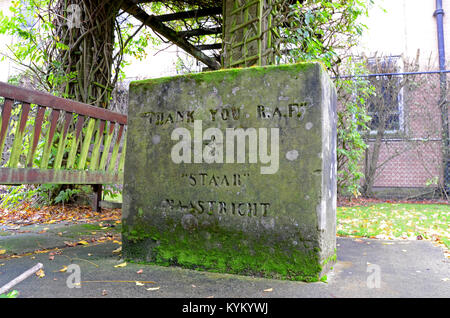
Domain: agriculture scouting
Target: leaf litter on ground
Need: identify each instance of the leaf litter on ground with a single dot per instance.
(396, 221)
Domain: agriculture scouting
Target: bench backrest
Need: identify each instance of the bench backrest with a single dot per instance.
(78, 143)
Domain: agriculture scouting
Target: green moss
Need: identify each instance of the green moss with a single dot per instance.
(332, 259)
(220, 251)
(136, 234)
(91, 227)
(78, 230)
(228, 74)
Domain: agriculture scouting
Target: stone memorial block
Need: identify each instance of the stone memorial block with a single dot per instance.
(233, 171)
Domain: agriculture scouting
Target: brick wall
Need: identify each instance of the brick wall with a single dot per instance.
(412, 157)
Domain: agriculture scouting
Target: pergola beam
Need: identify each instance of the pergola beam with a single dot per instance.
(190, 14)
(198, 32)
(158, 26)
(205, 47)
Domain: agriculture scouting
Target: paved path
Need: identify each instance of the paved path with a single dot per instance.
(391, 268)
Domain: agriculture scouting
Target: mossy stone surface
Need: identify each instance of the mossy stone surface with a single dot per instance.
(229, 216)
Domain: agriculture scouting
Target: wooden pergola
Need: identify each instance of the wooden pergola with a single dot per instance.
(244, 27)
(180, 38)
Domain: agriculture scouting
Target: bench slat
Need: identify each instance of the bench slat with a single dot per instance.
(97, 143)
(54, 116)
(17, 146)
(112, 164)
(63, 141)
(75, 142)
(86, 143)
(6, 114)
(106, 147)
(36, 134)
(122, 156)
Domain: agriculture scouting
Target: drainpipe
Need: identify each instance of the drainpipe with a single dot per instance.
(439, 13)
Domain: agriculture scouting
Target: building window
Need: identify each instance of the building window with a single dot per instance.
(386, 106)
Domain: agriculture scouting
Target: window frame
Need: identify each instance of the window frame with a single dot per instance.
(398, 67)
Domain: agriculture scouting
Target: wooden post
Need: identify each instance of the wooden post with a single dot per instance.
(97, 197)
(248, 33)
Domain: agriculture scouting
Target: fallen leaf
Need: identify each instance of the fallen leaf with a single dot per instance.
(121, 265)
(153, 288)
(41, 252)
(140, 271)
(83, 242)
(40, 273)
(63, 270)
(2, 252)
(118, 250)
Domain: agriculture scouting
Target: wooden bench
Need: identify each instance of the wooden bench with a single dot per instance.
(69, 142)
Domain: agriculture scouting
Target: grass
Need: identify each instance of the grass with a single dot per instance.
(116, 198)
(396, 221)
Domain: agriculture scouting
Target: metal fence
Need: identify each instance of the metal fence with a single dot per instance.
(408, 147)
